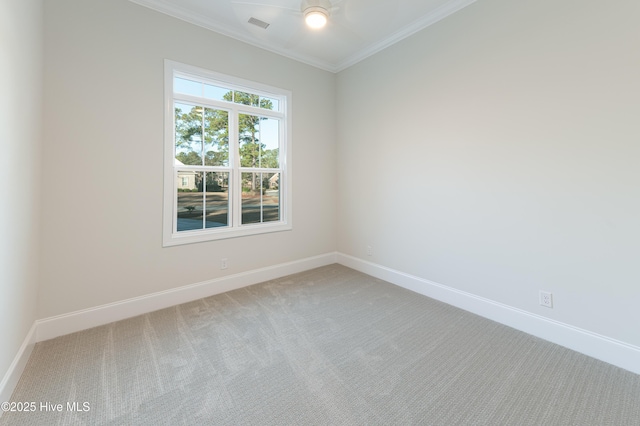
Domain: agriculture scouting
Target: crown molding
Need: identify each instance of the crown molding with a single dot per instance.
(192, 18)
(438, 14)
(184, 14)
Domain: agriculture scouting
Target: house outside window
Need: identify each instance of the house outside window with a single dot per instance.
(227, 156)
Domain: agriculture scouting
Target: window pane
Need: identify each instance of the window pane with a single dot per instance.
(260, 197)
(251, 198)
(188, 87)
(190, 200)
(259, 141)
(188, 137)
(270, 103)
(216, 137)
(269, 143)
(203, 200)
(249, 140)
(217, 199)
(271, 197)
(217, 93)
(245, 98)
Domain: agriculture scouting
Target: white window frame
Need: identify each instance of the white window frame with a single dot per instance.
(171, 236)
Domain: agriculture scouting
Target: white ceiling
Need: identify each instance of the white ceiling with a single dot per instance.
(356, 28)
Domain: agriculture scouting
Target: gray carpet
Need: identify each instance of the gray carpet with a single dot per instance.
(327, 346)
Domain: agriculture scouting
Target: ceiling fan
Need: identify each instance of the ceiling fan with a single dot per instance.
(289, 25)
(315, 12)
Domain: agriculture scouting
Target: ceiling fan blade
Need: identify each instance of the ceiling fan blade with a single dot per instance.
(329, 5)
(335, 5)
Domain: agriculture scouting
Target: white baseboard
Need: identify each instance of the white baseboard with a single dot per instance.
(600, 347)
(609, 350)
(60, 325)
(16, 368)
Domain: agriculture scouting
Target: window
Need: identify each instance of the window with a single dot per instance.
(227, 159)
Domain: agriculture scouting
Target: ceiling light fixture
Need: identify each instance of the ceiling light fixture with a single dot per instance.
(316, 16)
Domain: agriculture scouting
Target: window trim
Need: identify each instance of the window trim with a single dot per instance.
(170, 237)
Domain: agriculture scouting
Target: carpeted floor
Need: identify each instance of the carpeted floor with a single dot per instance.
(327, 346)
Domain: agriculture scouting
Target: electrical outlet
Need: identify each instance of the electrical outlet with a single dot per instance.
(369, 251)
(546, 299)
(224, 264)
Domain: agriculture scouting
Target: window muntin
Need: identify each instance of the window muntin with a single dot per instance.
(229, 157)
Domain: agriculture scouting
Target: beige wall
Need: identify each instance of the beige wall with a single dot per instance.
(102, 233)
(497, 153)
(20, 137)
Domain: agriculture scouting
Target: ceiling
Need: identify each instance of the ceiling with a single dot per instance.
(356, 28)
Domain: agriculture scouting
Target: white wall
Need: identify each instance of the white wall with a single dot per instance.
(20, 138)
(497, 153)
(102, 225)
(494, 152)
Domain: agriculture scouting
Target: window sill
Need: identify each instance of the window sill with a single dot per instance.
(187, 237)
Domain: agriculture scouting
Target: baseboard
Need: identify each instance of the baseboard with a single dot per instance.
(60, 325)
(609, 350)
(597, 346)
(16, 368)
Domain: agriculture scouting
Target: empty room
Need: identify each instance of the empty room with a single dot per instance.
(320, 212)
